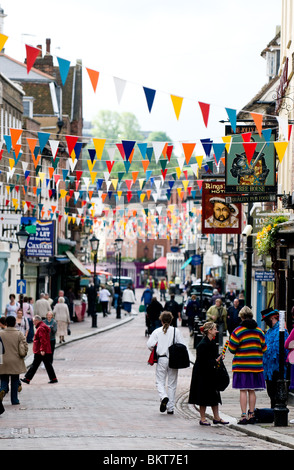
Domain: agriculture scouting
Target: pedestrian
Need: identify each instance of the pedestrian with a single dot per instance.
(104, 295)
(163, 287)
(271, 358)
(16, 349)
(55, 301)
(128, 299)
(71, 298)
(215, 295)
(289, 344)
(12, 306)
(153, 313)
(110, 288)
(218, 314)
(147, 296)
(2, 323)
(192, 310)
(203, 390)
(42, 352)
(91, 292)
(42, 306)
(163, 338)
(150, 283)
(28, 313)
(173, 307)
(247, 343)
(233, 319)
(22, 323)
(51, 322)
(61, 314)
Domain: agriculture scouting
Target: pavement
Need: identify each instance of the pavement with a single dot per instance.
(230, 408)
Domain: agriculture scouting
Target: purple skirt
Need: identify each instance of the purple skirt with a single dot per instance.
(248, 380)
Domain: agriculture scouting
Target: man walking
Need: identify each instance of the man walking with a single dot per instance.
(42, 352)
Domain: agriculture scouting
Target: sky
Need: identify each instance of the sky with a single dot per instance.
(202, 51)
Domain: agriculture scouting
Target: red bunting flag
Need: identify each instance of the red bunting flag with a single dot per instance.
(71, 141)
(32, 54)
(205, 111)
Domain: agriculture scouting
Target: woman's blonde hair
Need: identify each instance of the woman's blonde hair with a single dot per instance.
(207, 327)
(166, 318)
(245, 313)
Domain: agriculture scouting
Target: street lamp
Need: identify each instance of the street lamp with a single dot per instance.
(118, 244)
(94, 247)
(230, 247)
(22, 240)
(202, 245)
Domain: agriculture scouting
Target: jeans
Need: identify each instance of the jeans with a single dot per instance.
(38, 358)
(14, 382)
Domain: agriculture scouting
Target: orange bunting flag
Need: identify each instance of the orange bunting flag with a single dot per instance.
(15, 135)
(94, 77)
(135, 176)
(32, 144)
(145, 164)
(188, 150)
(257, 118)
(36, 160)
(32, 54)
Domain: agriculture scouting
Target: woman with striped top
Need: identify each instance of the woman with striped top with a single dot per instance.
(247, 343)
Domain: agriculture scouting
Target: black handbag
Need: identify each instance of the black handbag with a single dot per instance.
(222, 377)
(178, 355)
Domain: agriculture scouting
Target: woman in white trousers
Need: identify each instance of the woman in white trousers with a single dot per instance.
(163, 338)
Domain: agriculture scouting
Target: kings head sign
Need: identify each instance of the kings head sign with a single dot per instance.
(41, 244)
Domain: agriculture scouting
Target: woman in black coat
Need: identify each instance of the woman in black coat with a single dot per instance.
(203, 390)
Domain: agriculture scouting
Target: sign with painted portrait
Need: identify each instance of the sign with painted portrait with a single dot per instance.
(218, 215)
(251, 165)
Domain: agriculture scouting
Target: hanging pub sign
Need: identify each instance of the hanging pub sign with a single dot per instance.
(41, 244)
(218, 215)
(251, 166)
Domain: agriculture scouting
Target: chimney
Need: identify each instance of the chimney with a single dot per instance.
(40, 51)
(48, 43)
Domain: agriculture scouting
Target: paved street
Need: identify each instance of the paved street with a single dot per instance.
(106, 400)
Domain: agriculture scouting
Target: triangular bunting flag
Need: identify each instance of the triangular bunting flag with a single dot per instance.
(71, 141)
(249, 148)
(188, 150)
(149, 94)
(257, 118)
(281, 149)
(119, 84)
(232, 115)
(94, 76)
(145, 164)
(205, 111)
(3, 40)
(177, 104)
(267, 135)
(32, 53)
(63, 69)
(99, 146)
(128, 146)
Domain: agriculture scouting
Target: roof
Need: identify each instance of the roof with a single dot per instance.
(159, 263)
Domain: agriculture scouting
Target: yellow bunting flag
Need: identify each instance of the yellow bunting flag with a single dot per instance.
(185, 184)
(199, 160)
(93, 175)
(63, 193)
(11, 163)
(281, 149)
(3, 40)
(177, 104)
(99, 146)
(227, 140)
(142, 197)
(114, 183)
(119, 193)
(178, 170)
(91, 165)
(180, 193)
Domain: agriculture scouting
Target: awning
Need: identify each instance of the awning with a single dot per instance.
(160, 263)
(78, 264)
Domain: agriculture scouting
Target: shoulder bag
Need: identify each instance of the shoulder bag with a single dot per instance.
(222, 377)
(153, 356)
(178, 355)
